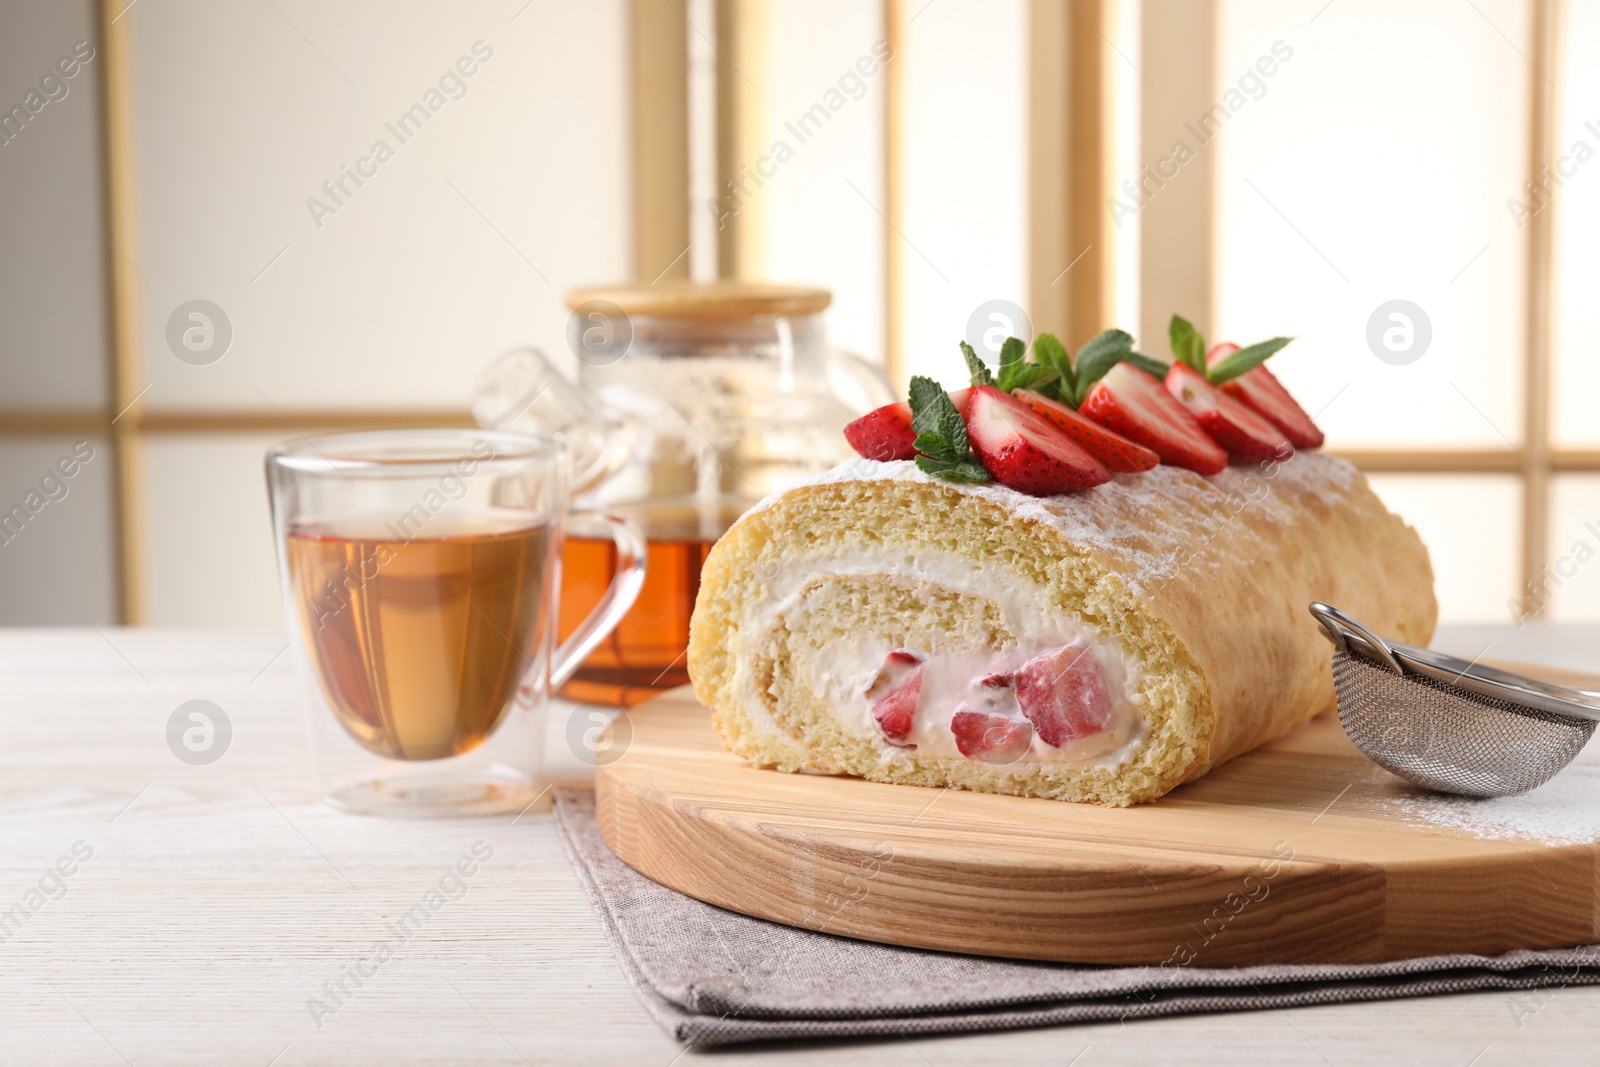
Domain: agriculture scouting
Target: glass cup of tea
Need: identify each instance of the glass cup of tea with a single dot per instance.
(420, 573)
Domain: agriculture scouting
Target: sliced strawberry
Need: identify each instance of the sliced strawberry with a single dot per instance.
(1064, 694)
(1111, 448)
(1259, 389)
(894, 694)
(1025, 450)
(885, 433)
(1247, 437)
(1132, 403)
(991, 738)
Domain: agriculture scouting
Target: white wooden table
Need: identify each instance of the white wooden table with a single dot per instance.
(219, 900)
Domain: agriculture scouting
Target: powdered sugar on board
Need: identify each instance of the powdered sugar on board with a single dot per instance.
(1565, 809)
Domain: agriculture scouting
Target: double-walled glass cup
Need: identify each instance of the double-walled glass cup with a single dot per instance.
(420, 572)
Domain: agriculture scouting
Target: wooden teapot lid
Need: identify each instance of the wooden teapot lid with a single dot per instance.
(704, 300)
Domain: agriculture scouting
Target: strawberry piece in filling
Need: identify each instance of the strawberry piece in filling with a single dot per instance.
(990, 738)
(1064, 694)
(894, 694)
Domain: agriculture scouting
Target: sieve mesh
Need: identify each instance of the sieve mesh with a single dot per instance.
(1448, 739)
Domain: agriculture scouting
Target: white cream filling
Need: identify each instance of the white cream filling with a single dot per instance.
(951, 681)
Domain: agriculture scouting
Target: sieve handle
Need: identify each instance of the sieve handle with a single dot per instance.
(1468, 676)
(1341, 628)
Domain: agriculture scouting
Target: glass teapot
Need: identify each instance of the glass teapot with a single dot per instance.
(692, 402)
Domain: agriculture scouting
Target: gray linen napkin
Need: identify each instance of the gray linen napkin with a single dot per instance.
(715, 977)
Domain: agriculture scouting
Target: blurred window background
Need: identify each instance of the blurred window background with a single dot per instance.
(232, 223)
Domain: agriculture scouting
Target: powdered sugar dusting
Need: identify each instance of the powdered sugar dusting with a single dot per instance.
(1138, 517)
(1564, 810)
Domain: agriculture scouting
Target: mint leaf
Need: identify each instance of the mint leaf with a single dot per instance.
(976, 367)
(1246, 359)
(1149, 364)
(1011, 356)
(967, 470)
(1104, 341)
(1029, 376)
(944, 451)
(935, 446)
(1187, 344)
(1048, 351)
(935, 418)
(1016, 373)
(925, 394)
(951, 426)
(1103, 352)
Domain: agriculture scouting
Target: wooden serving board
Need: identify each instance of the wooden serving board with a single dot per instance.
(1292, 853)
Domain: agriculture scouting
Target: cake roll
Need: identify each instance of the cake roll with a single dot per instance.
(1101, 646)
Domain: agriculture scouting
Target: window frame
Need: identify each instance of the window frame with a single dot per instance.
(1071, 100)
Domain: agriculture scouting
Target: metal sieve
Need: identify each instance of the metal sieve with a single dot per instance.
(1450, 724)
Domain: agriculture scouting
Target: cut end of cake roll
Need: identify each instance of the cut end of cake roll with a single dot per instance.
(1101, 646)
